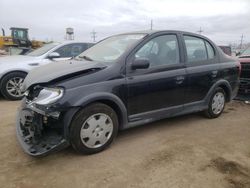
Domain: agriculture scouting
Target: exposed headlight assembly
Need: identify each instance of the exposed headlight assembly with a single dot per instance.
(48, 96)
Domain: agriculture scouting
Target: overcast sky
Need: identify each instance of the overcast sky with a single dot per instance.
(221, 20)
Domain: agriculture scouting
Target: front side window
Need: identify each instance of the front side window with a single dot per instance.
(64, 51)
(20, 34)
(196, 49)
(162, 50)
(76, 50)
(71, 50)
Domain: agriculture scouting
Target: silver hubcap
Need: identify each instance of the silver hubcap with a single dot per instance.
(96, 130)
(218, 103)
(14, 85)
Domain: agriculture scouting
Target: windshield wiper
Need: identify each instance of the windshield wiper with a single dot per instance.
(86, 57)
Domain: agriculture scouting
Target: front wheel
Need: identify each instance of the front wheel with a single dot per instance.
(93, 128)
(11, 85)
(216, 104)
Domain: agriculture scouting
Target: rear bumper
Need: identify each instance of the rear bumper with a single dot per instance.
(40, 134)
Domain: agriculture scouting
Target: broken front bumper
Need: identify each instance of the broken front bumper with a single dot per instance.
(39, 133)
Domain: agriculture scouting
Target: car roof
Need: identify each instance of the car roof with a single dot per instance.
(150, 32)
(159, 31)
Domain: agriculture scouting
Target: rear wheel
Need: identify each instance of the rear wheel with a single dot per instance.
(216, 104)
(93, 128)
(11, 85)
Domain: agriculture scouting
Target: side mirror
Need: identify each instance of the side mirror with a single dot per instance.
(141, 63)
(53, 55)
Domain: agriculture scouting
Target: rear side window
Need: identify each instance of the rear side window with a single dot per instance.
(196, 49)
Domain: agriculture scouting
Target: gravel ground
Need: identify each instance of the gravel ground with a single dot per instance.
(181, 152)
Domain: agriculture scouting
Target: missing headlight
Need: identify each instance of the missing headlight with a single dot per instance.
(33, 92)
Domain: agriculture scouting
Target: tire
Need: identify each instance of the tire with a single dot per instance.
(90, 132)
(8, 80)
(211, 112)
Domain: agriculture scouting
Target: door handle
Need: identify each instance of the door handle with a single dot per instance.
(214, 73)
(179, 79)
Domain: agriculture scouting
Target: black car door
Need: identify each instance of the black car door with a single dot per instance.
(161, 86)
(202, 67)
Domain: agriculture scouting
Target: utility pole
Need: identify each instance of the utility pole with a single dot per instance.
(93, 35)
(241, 41)
(200, 31)
(151, 25)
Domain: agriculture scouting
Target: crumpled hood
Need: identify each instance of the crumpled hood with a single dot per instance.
(56, 70)
(16, 59)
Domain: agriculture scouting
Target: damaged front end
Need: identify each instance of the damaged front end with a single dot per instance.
(41, 127)
(45, 115)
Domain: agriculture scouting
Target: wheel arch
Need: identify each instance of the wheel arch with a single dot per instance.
(12, 71)
(225, 85)
(112, 101)
(227, 91)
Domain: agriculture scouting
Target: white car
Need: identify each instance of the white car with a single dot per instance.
(13, 69)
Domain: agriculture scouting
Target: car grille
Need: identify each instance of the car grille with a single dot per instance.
(245, 70)
(244, 86)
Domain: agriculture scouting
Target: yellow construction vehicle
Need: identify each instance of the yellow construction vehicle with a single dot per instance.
(19, 38)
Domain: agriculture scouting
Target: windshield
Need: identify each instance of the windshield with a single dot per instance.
(110, 49)
(42, 50)
(246, 52)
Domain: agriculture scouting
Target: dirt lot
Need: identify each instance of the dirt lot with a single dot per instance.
(187, 151)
